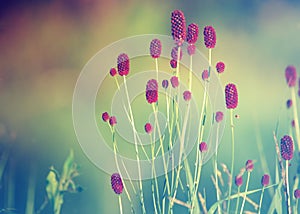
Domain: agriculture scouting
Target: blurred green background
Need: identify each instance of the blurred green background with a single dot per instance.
(45, 44)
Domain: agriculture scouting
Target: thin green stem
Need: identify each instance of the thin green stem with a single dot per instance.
(117, 83)
(191, 73)
(297, 129)
(238, 200)
(216, 169)
(156, 67)
(289, 209)
(31, 190)
(246, 189)
(120, 204)
(261, 198)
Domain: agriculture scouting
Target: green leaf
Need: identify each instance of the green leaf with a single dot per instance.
(68, 166)
(52, 185)
(276, 204)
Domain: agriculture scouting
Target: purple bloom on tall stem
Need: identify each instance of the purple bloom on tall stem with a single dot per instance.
(192, 33)
(219, 116)
(287, 147)
(112, 120)
(187, 95)
(116, 183)
(155, 48)
(231, 96)
(152, 91)
(209, 37)
(105, 116)
(113, 72)
(220, 67)
(165, 84)
(174, 81)
(205, 74)
(265, 180)
(123, 64)
(289, 103)
(148, 128)
(174, 53)
(291, 75)
(173, 63)
(203, 147)
(238, 180)
(191, 49)
(178, 26)
(297, 193)
(249, 165)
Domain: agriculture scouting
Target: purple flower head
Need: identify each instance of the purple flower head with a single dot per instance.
(293, 123)
(187, 95)
(265, 180)
(152, 91)
(173, 63)
(238, 180)
(231, 96)
(209, 37)
(123, 64)
(174, 81)
(291, 75)
(174, 53)
(192, 33)
(249, 165)
(112, 120)
(220, 67)
(148, 128)
(219, 116)
(116, 183)
(297, 193)
(155, 48)
(205, 75)
(105, 116)
(165, 84)
(287, 147)
(289, 103)
(203, 147)
(178, 26)
(191, 49)
(113, 72)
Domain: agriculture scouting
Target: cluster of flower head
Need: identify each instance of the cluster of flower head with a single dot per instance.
(152, 91)
(116, 183)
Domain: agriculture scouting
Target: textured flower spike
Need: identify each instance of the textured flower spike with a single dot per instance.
(205, 75)
(265, 180)
(123, 64)
(116, 183)
(291, 75)
(249, 166)
(174, 81)
(192, 33)
(173, 63)
(105, 116)
(152, 91)
(287, 147)
(113, 72)
(231, 96)
(209, 37)
(220, 67)
(148, 128)
(297, 193)
(187, 95)
(112, 120)
(178, 26)
(238, 180)
(203, 147)
(155, 48)
(165, 84)
(289, 103)
(174, 53)
(219, 116)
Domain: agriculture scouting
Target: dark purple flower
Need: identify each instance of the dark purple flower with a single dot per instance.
(123, 64)
(219, 116)
(112, 120)
(291, 75)
(152, 91)
(116, 183)
(165, 84)
(113, 72)
(287, 147)
(148, 128)
(220, 67)
(178, 26)
(187, 95)
(289, 103)
(205, 75)
(209, 37)
(192, 33)
(297, 193)
(265, 180)
(231, 96)
(173, 63)
(155, 48)
(249, 165)
(174, 53)
(203, 147)
(238, 180)
(105, 116)
(174, 81)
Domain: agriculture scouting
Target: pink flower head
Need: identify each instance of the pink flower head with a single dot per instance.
(148, 128)
(116, 183)
(287, 147)
(219, 116)
(238, 180)
(249, 165)
(289, 103)
(165, 84)
(293, 123)
(123, 64)
(205, 75)
(178, 26)
(105, 116)
(152, 91)
(112, 120)
(113, 72)
(173, 63)
(155, 48)
(265, 180)
(174, 81)
(174, 53)
(297, 193)
(187, 95)
(291, 75)
(192, 33)
(220, 67)
(203, 147)
(231, 96)
(209, 37)
(191, 49)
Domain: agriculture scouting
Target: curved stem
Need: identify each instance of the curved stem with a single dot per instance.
(261, 198)
(289, 210)
(246, 189)
(238, 200)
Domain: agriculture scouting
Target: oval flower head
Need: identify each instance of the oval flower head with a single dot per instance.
(148, 128)
(123, 64)
(238, 180)
(152, 91)
(105, 116)
(220, 67)
(178, 26)
(174, 53)
(219, 116)
(205, 74)
(231, 96)
(165, 84)
(173, 63)
(187, 95)
(287, 147)
(192, 33)
(112, 120)
(155, 48)
(191, 49)
(113, 72)
(174, 81)
(249, 166)
(291, 75)
(210, 38)
(116, 183)
(265, 180)
(203, 147)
